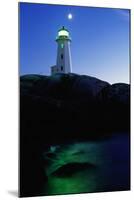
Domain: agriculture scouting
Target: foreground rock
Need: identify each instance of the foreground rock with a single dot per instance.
(71, 168)
(72, 105)
(55, 109)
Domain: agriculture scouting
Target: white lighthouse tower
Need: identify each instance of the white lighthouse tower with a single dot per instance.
(64, 63)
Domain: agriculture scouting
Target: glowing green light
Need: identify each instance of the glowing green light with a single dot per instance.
(62, 45)
(63, 33)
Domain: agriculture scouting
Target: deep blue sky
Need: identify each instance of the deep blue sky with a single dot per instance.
(100, 40)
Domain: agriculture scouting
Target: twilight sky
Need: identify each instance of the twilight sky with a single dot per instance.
(100, 40)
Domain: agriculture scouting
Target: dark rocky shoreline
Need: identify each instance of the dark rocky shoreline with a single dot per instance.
(63, 108)
(70, 103)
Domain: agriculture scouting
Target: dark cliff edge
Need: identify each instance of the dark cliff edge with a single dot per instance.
(55, 109)
(71, 105)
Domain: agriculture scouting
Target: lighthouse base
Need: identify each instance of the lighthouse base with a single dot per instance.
(55, 70)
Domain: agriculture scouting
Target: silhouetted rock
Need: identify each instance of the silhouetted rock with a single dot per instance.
(55, 109)
(71, 168)
(72, 103)
(119, 92)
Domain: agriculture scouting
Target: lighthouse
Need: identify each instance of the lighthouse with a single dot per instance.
(63, 62)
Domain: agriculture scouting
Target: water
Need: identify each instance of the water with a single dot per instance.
(89, 166)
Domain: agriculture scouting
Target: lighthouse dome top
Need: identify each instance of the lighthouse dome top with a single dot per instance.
(63, 33)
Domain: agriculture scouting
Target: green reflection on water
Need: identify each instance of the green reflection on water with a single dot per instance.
(81, 182)
(110, 171)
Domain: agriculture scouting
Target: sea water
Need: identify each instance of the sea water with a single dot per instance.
(98, 166)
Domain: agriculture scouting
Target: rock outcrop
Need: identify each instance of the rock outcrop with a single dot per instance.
(55, 109)
(72, 104)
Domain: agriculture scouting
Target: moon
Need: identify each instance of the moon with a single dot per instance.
(70, 16)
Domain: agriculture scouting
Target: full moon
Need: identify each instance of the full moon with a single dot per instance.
(70, 16)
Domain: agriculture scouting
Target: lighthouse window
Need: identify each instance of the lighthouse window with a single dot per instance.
(61, 68)
(61, 56)
(62, 45)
